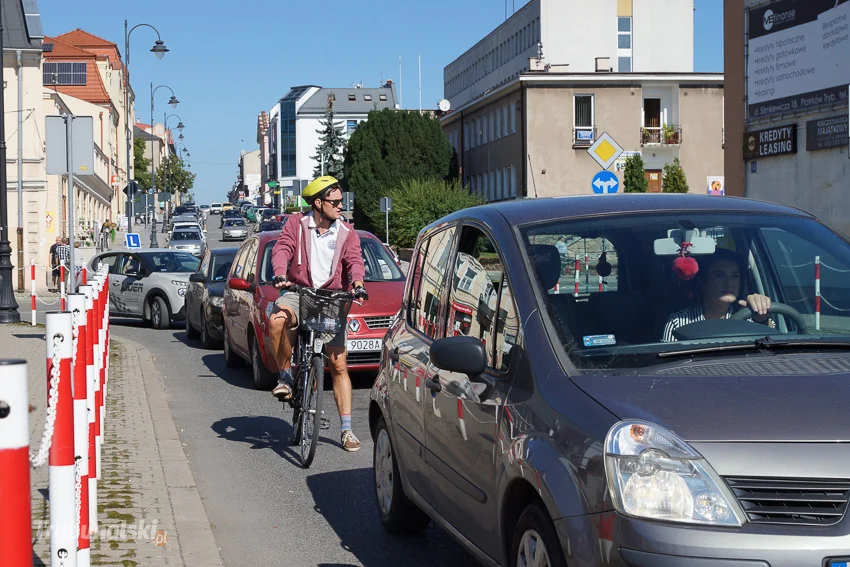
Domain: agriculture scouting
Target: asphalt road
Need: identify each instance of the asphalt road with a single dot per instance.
(265, 509)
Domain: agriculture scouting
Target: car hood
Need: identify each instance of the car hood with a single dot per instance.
(762, 408)
(384, 299)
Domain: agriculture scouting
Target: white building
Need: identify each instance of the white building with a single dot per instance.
(577, 36)
(294, 123)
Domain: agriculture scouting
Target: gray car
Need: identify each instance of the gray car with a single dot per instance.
(148, 284)
(674, 393)
(234, 229)
(187, 239)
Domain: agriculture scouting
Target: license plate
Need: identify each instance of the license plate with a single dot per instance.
(839, 563)
(361, 345)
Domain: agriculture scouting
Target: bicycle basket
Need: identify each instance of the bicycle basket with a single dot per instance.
(323, 311)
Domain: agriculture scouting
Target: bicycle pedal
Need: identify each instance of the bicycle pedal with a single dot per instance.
(325, 423)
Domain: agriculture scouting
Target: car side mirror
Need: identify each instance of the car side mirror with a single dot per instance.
(464, 355)
(239, 284)
(197, 277)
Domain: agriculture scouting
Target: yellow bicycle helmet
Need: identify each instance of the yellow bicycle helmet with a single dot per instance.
(318, 185)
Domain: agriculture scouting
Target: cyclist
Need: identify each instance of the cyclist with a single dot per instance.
(317, 250)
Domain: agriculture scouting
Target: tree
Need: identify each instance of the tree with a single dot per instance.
(634, 177)
(141, 164)
(389, 150)
(173, 177)
(417, 203)
(675, 180)
(331, 144)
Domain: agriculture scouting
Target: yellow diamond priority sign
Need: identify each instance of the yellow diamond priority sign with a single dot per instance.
(605, 151)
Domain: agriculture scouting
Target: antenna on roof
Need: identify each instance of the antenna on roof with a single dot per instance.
(531, 169)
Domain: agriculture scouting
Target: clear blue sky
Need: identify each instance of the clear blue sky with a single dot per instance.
(231, 60)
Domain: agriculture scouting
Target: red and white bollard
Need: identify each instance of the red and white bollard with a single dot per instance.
(83, 275)
(62, 286)
(15, 518)
(77, 306)
(461, 422)
(817, 293)
(91, 379)
(61, 478)
(32, 289)
(104, 354)
(577, 274)
(98, 357)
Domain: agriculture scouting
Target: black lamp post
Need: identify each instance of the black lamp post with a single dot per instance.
(8, 306)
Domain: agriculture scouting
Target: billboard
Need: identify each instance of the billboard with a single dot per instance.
(797, 56)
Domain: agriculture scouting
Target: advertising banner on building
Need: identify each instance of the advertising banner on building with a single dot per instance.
(797, 56)
(827, 133)
(770, 142)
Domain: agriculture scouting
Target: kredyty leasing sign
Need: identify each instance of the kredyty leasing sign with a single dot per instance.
(770, 142)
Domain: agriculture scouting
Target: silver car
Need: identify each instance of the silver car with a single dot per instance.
(234, 229)
(188, 240)
(148, 284)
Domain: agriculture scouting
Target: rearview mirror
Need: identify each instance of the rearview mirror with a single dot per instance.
(239, 284)
(464, 355)
(670, 246)
(197, 277)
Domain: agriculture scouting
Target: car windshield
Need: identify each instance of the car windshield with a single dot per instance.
(234, 222)
(186, 235)
(269, 213)
(215, 205)
(171, 261)
(220, 266)
(269, 226)
(380, 266)
(618, 294)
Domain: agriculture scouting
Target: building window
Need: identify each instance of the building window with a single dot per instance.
(484, 128)
(382, 97)
(505, 120)
(624, 41)
(73, 74)
(624, 45)
(584, 132)
(513, 182)
(350, 126)
(624, 64)
(624, 25)
(352, 97)
(367, 98)
(498, 126)
(513, 118)
(288, 143)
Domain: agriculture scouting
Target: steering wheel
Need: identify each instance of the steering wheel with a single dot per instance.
(779, 309)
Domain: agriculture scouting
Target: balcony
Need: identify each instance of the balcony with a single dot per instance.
(584, 136)
(661, 136)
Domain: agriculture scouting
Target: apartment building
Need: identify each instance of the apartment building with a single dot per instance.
(787, 74)
(522, 126)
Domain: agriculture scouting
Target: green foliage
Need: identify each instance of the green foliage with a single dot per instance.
(173, 177)
(418, 203)
(634, 177)
(331, 145)
(141, 164)
(675, 180)
(390, 150)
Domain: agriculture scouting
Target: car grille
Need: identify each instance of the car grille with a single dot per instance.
(379, 322)
(364, 358)
(802, 502)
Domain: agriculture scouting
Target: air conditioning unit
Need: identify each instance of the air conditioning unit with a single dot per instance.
(603, 64)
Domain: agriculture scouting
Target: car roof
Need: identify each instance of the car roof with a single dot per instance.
(528, 210)
(140, 251)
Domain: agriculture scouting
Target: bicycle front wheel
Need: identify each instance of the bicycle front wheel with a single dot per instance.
(311, 410)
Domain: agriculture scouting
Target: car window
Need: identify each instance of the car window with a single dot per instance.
(380, 266)
(251, 261)
(427, 300)
(169, 261)
(234, 222)
(473, 295)
(205, 264)
(220, 266)
(238, 269)
(109, 261)
(269, 226)
(186, 235)
(506, 332)
(266, 268)
(129, 265)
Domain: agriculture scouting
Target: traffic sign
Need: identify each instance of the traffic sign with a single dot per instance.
(605, 182)
(605, 151)
(132, 240)
(386, 204)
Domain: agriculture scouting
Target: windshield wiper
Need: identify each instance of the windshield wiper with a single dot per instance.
(764, 343)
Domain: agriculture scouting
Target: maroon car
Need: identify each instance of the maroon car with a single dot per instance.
(250, 296)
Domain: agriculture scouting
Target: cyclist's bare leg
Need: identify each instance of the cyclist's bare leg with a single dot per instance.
(282, 337)
(338, 364)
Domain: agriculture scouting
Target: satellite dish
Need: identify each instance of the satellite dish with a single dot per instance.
(444, 105)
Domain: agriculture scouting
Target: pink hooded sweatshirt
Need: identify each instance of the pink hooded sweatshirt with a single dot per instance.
(291, 254)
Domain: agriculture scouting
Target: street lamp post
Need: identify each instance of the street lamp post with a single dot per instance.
(180, 127)
(173, 102)
(8, 306)
(159, 50)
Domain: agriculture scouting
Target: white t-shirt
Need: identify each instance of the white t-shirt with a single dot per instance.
(321, 251)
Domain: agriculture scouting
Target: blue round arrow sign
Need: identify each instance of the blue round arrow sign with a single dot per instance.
(605, 182)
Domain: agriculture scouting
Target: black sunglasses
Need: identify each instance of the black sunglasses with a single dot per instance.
(333, 202)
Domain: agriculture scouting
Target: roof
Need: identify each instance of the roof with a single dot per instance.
(21, 24)
(93, 91)
(317, 104)
(531, 210)
(144, 134)
(97, 45)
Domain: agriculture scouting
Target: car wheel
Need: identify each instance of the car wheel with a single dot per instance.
(535, 541)
(398, 514)
(263, 379)
(206, 339)
(160, 315)
(191, 333)
(231, 359)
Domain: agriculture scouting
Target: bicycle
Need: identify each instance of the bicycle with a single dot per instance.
(320, 311)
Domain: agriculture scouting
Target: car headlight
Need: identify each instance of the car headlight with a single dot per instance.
(654, 474)
(179, 283)
(217, 301)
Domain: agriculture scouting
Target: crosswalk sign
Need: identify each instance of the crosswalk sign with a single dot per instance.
(132, 240)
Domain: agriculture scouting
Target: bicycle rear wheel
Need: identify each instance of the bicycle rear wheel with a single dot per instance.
(311, 414)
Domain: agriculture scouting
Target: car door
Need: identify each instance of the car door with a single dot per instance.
(244, 299)
(409, 352)
(231, 296)
(131, 285)
(111, 261)
(195, 293)
(462, 412)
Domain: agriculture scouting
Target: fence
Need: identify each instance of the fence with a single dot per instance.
(817, 296)
(77, 351)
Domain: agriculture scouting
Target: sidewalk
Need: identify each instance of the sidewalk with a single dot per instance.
(149, 510)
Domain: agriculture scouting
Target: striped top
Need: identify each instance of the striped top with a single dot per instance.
(686, 316)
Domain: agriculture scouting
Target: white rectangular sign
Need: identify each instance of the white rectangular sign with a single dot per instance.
(797, 56)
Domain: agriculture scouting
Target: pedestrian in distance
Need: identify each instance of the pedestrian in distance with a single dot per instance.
(54, 264)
